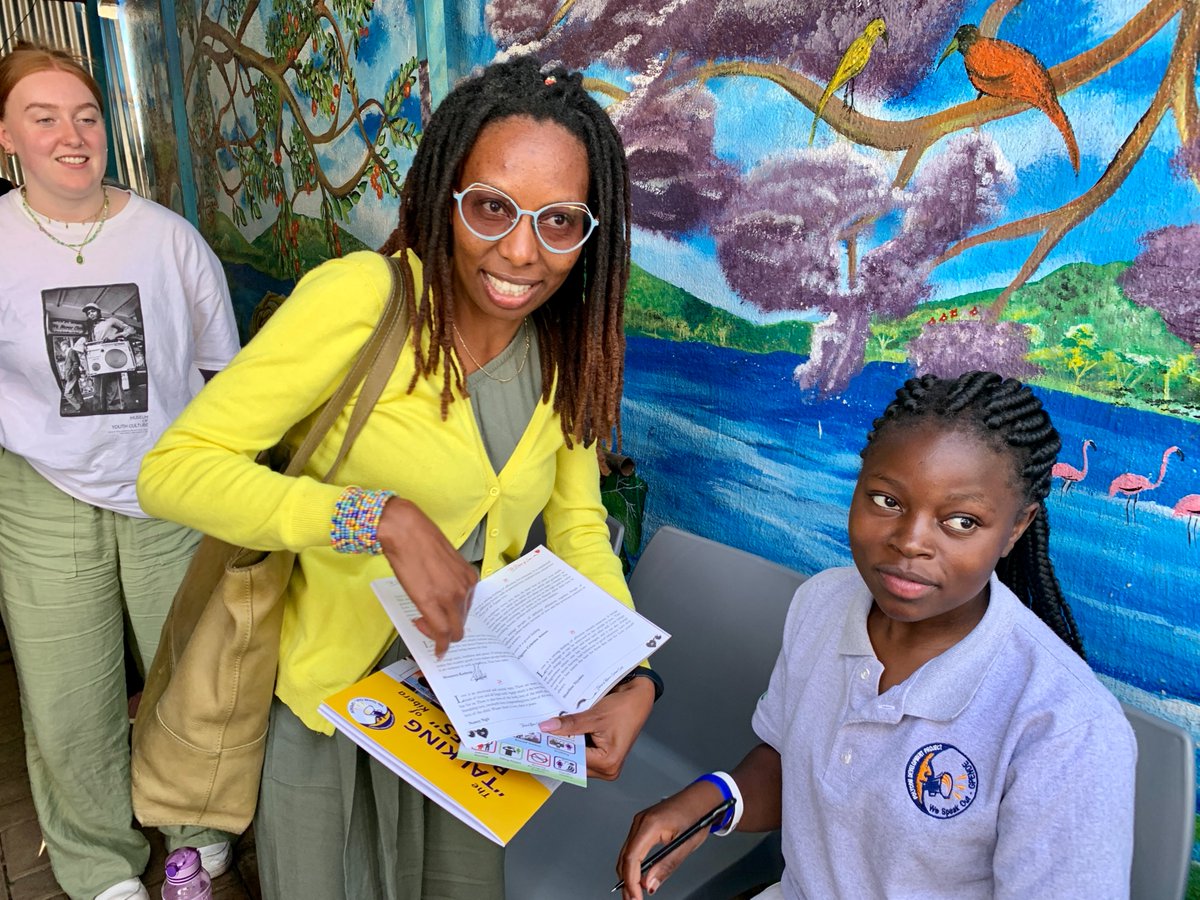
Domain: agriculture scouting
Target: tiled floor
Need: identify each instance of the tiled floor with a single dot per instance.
(26, 875)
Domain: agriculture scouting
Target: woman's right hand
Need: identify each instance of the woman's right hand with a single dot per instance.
(433, 574)
(658, 825)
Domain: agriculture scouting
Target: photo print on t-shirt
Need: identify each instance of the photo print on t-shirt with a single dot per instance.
(96, 340)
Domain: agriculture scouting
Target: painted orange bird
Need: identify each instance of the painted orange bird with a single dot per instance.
(1000, 69)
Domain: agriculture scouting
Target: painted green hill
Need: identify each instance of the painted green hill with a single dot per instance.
(657, 308)
(229, 244)
(1087, 336)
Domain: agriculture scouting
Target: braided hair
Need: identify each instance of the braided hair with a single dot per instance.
(1004, 414)
(580, 329)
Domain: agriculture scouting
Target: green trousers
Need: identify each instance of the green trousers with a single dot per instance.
(72, 578)
(334, 824)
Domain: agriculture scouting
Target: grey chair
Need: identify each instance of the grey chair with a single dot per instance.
(1164, 807)
(725, 611)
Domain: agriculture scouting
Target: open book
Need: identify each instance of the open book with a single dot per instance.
(391, 715)
(549, 755)
(541, 640)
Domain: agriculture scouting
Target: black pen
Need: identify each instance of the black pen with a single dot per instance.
(703, 822)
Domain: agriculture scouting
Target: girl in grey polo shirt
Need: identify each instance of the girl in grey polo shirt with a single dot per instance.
(931, 728)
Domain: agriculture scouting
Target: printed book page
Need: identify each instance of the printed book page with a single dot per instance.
(548, 755)
(414, 738)
(541, 640)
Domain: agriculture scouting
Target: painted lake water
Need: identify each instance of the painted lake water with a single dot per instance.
(732, 449)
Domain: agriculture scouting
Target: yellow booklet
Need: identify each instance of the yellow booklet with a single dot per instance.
(414, 738)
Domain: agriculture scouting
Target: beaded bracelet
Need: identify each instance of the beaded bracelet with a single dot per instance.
(356, 520)
(729, 790)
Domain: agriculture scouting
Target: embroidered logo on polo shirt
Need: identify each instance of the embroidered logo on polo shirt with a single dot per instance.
(941, 780)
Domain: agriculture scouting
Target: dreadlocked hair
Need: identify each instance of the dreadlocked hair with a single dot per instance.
(1004, 414)
(580, 329)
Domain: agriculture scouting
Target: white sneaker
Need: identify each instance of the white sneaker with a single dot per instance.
(216, 858)
(129, 889)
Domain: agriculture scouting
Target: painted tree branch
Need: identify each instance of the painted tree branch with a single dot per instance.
(1187, 116)
(606, 88)
(559, 15)
(916, 135)
(247, 18)
(1056, 224)
(231, 89)
(989, 25)
(240, 53)
(356, 115)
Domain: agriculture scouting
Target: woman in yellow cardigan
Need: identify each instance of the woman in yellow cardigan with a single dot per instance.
(517, 205)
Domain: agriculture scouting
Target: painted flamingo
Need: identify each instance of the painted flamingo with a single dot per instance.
(1189, 506)
(1132, 485)
(1068, 473)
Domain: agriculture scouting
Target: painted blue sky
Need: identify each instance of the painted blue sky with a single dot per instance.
(757, 120)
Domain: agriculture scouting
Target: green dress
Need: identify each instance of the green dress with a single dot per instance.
(333, 823)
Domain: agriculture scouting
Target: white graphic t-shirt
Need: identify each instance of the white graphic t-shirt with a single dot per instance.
(97, 359)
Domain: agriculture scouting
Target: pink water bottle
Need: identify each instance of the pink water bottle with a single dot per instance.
(186, 878)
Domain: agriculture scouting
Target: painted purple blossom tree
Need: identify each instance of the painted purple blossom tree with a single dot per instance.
(1165, 276)
(815, 229)
(790, 237)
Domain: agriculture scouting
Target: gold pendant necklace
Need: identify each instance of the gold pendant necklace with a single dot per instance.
(93, 233)
(479, 365)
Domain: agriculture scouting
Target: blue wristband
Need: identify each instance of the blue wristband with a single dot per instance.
(726, 794)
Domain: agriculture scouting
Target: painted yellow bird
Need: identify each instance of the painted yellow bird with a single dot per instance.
(854, 60)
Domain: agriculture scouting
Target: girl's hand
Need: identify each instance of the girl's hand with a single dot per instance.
(433, 574)
(612, 724)
(658, 825)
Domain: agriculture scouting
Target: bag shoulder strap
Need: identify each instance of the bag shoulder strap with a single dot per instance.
(372, 368)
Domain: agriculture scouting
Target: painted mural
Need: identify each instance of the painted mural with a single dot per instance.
(828, 197)
(928, 186)
(303, 118)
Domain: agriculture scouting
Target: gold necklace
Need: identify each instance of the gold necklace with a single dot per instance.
(479, 365)
(93, 233)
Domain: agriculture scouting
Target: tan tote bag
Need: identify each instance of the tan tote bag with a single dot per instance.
(200, 731)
